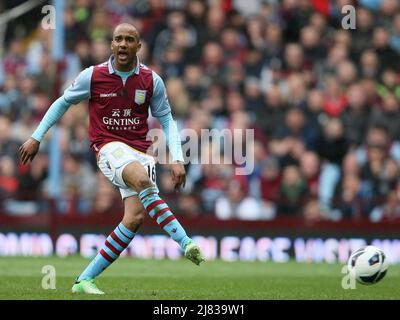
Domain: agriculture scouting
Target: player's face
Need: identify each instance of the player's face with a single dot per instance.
(125, 45)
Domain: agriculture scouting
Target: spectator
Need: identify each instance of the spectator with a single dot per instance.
(310, 39)
(389, 211)
(105, 196)
(194, 82)
(332, 148)
(255, 29)
(77, 185)
(273, 44)
(314, 109)
(29, 198)
(395, 36)
(8, 179)
(390, 84)
(332, 145)
(178, 96)
(335, 99)
(293, 58)
(377, 135)
(270, 182)
(213, 61)
(361, 37)
(296, 127)
(346, 73)
(348, 198)
(233, 46)
(310, 168)
(8, 145)
(327, 65)
(312, 212)
(270, 117)
(369, 64)
(356, 115)
(380, 42)
(387, 116)
(215, 22)
(237, 205)
(379, 175)
(293, 191)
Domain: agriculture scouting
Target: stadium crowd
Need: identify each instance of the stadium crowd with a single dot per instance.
(323, 102)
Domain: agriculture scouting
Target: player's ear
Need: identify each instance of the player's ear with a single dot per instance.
(112, 44)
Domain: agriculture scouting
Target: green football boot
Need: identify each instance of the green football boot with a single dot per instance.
(192, 252)
(86, 286)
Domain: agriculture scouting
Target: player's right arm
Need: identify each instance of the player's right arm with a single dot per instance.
(161, 109)
(79, 90)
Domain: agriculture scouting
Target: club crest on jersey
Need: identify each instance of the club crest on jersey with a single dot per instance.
(140, 96)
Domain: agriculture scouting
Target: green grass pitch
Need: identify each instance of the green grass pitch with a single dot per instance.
(135, 279)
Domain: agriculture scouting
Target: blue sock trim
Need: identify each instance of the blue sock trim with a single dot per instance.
(149, 199)
(126, 231)
(121, 236)
(115, 244)
(158, 208)
(164, 216)
(147, 191)
(110, 253)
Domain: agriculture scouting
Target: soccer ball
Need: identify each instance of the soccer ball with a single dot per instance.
(368, 265)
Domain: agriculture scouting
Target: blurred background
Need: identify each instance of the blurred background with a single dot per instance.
(323, 102)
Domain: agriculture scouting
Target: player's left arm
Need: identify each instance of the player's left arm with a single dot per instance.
(161, 109)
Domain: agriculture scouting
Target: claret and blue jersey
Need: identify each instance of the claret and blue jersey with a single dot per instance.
(119, 104)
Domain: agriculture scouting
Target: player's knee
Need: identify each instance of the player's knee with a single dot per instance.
(143, 182)
(136, 177)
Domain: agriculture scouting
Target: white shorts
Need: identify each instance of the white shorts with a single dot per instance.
(115, 156)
